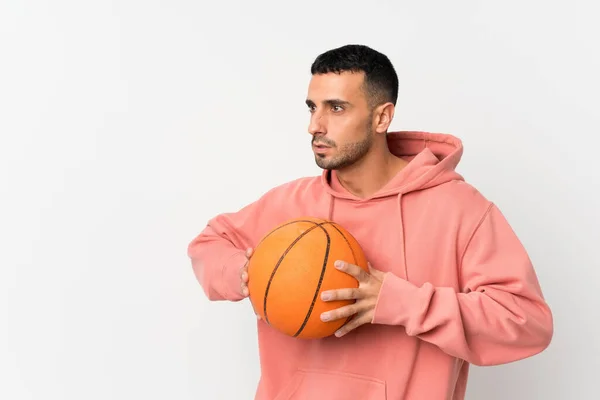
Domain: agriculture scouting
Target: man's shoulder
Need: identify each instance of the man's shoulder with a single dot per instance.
(462, 188)
(304, 181)
(296, 186)
(464, 196)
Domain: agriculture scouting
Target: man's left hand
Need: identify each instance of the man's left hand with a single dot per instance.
(363, 309)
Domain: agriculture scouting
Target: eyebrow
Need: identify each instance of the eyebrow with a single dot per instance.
(330, 102)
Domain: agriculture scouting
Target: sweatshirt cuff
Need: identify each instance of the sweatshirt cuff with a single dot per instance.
(395, 296)
(231, 276)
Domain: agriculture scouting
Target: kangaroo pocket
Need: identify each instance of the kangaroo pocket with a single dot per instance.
(332, 385)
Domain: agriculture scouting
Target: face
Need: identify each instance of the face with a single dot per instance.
(341, 121)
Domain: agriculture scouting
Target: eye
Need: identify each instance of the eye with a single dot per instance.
(311, 109)
(337, 108)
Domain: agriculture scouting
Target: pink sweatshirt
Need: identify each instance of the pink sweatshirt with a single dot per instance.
(460, 290)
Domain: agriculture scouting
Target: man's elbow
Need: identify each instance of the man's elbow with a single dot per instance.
(531, 338)
(546, 331)
(536, 334)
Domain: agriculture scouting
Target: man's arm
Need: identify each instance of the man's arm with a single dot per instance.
(218, 253)
(500, 315)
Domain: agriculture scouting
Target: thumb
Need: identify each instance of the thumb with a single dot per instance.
(375, 272)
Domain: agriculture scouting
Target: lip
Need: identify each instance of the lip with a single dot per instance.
(320, 148)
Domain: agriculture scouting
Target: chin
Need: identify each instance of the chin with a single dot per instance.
(322, 162)
(326, 165)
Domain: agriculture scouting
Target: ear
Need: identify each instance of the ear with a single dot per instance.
(384, 114)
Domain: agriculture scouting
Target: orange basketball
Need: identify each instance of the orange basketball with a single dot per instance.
(292, 265)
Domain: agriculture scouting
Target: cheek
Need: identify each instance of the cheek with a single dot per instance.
(346, 130)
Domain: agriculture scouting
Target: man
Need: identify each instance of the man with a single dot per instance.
(450, 283)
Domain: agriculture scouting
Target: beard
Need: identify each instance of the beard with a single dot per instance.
(348, 153)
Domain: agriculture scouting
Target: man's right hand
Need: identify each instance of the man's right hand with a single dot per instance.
(244, 273)
(244, 276)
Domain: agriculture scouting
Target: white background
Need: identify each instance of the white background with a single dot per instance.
(126, 125)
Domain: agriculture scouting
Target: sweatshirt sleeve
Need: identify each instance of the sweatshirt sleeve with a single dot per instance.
(500, 314)
(218, 253)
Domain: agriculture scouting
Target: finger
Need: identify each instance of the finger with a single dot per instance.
(360, 274)
(376, 273)
(244, 287)
(244, 276)
(248, 254)
(351, 325)
(342, 294)
(339, 313)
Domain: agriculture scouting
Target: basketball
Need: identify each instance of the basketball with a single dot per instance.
(290, 268)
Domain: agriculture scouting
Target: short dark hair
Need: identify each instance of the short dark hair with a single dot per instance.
(381, 80)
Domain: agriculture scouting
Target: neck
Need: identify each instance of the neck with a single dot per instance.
(372, 172)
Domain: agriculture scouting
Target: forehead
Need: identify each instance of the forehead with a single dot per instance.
(345, 85)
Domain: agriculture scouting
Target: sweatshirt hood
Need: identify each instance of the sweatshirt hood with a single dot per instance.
(432, 158)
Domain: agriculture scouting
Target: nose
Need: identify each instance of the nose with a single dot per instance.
(316, 126)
